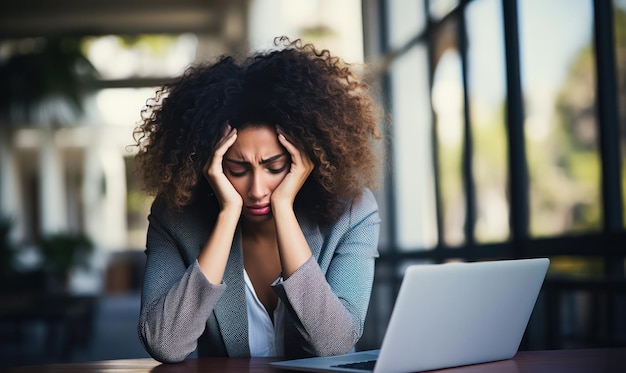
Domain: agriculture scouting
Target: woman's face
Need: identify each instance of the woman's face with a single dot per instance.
(255, 165)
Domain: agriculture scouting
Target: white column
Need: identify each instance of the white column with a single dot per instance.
(104, 197)
(52, 192)
(10, 191)
(92, 194)
(114, 208)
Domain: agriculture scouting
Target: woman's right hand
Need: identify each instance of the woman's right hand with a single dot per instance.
(226, 194)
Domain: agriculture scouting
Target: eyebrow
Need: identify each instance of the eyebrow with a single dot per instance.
(263, 161)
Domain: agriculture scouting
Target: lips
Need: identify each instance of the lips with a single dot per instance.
(259, 209)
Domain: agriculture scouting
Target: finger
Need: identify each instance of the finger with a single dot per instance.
(228, 132)
(226, 142)
(222, 147)
(298, 156)
(291, 148)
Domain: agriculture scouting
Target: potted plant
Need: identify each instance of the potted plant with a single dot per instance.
(63, 252)
(39, 69)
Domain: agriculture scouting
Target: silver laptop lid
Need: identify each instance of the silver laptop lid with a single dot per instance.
(460, 313)
(448, 315)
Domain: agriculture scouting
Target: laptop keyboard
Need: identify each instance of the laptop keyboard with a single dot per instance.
(361, 365)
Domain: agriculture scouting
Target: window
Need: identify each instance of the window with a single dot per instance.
(505, 144)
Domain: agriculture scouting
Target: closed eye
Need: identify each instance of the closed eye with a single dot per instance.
(279, 169)
(237, 172)
(237, 168)
(277, 163)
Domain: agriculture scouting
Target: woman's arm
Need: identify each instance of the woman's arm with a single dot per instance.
(176, 300)
(214, 255)
(329, 309)
(293, 248)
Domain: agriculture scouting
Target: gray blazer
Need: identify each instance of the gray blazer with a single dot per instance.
(326, 298)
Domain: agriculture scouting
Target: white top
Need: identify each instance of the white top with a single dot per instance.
(265, 339)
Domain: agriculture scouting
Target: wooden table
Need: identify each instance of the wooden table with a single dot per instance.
(552, 361)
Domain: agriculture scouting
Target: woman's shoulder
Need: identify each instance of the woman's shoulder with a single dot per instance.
(364, 205)
(194, 213)
(366, 199)
(359, 208)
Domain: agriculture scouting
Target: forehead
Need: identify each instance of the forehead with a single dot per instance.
(255, 143)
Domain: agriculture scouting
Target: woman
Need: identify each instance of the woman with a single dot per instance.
(263, 234)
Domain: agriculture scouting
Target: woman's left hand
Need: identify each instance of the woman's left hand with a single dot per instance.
(301, 168)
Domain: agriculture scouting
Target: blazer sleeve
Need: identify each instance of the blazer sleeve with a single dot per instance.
(176, 298)
(329, 309)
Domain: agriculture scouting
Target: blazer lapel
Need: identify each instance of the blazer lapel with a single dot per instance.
(231, 311)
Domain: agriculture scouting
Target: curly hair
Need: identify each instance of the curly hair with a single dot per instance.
(317, 99)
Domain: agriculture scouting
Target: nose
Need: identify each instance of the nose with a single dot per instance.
(258, 187)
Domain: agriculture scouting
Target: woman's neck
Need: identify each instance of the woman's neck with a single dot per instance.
(259, 231)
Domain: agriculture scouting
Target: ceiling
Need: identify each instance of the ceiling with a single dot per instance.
(28, 18)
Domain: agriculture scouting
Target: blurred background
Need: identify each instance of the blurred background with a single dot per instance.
(507, 140)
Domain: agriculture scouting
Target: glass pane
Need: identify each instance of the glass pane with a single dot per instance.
(619, 22)
(558, 79)
(406, 19)
(487, 95)
(416, 223)
(440, 8)
(447, 98)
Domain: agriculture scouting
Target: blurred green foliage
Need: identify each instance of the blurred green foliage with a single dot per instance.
(64, 251)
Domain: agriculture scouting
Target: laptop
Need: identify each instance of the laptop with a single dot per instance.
(448, 315)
